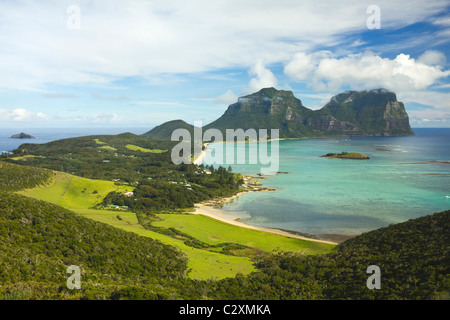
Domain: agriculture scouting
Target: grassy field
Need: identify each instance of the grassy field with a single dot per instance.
(214, 232)
(97, 141)
(23, 158)
(78, 194)
(137, 148)
(74, 192)
(203, 264)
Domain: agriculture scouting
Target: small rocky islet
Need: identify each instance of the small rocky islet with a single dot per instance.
(22, 135)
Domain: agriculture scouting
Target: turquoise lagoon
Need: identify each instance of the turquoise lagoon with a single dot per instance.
(405, 177)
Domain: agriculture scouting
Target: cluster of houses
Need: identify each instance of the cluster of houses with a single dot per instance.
(185, 184)
(116, 207)
(113, 206)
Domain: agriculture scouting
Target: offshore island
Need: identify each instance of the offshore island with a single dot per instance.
(22, 135)
(347, 155)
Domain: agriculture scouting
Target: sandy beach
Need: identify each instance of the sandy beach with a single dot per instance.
(202, 156)
(209, 209)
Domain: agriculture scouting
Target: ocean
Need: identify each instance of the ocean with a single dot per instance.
(405, 177)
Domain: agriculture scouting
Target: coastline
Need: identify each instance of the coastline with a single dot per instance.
(202, 155)
(209, 209)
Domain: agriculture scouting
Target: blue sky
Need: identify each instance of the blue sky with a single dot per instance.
(140, 63)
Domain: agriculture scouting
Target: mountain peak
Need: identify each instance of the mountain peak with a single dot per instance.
(270, 93)
(373, 112)
(268, 96)
(373, 94)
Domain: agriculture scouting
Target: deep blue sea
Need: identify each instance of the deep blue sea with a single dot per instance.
(400, 181)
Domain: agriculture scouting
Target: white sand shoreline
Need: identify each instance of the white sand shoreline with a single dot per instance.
(202, 155)
(209, 208)
(211, 211)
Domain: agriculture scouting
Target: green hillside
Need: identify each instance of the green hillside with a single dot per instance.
(38, 241)
(164, 131)
(14, 177)
(81, 195)
(135, 161)
(107, 157)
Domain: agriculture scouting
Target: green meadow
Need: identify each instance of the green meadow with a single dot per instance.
(23, 158)
(203, 264)
(81, 194)
(214, 232)
(74, 192)
(137, 148)
(97, 141)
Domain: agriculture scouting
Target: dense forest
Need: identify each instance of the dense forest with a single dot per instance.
(414, 259)
(193, 187)
(13, 178)
(38, 241)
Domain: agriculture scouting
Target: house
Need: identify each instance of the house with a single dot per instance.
(128, 194)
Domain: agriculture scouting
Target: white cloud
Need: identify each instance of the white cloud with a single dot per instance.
(315, 100)
(21, 114)
(432, 58)
(261, 78)
(445, 21)
(439, 100)
(303, 65)
(429, 118)
(107, 118)
(366, 71)
(156, 39)
(227, 98)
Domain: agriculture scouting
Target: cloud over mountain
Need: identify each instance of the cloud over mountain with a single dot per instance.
(366, 70)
